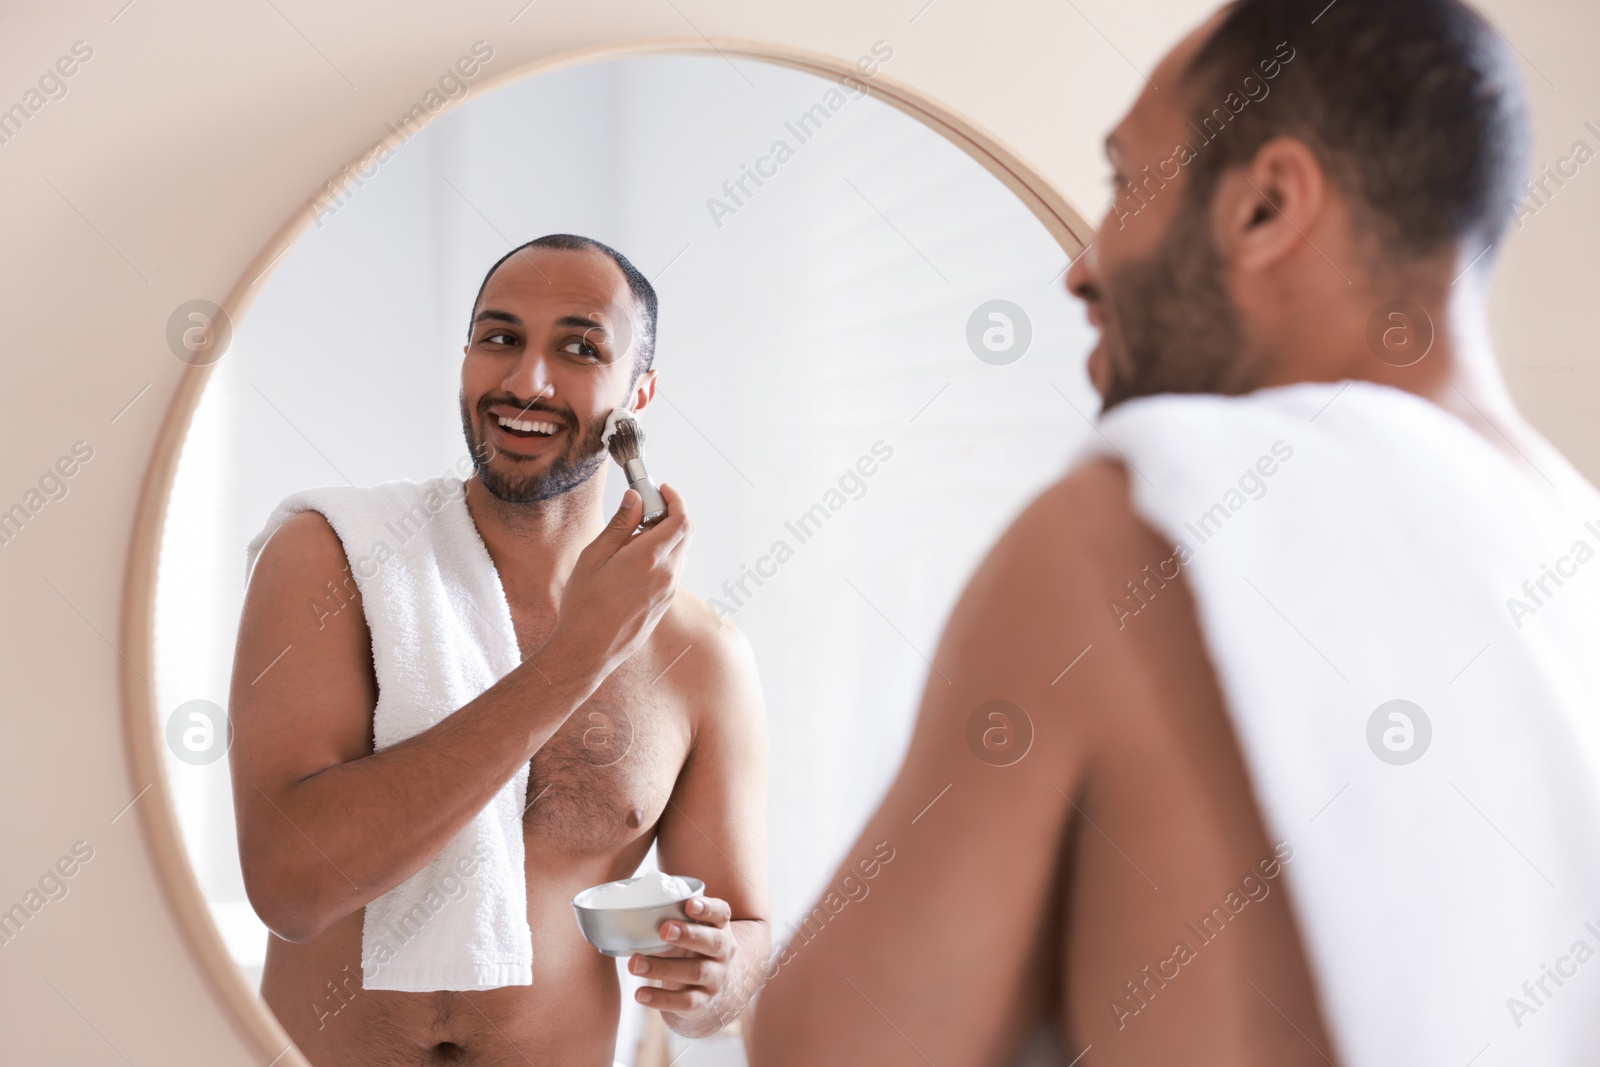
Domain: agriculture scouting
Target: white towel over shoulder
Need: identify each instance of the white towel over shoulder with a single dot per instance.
(1349, 545)
(441, 635)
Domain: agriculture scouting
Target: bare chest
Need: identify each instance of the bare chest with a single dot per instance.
(604, 779)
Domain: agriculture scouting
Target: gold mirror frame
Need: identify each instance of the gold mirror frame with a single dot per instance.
(141, 722)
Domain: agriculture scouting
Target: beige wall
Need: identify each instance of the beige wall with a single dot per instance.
(196, 131)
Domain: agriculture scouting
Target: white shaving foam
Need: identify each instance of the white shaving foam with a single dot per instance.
(612, 419)
(647, 890)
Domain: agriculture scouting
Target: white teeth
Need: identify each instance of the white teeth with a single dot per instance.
(528, 426)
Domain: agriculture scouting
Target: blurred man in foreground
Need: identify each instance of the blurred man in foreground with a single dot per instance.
(1266, 735)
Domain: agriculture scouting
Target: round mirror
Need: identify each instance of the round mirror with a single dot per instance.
(866, 364)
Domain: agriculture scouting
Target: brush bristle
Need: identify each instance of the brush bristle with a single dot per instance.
(627, 441)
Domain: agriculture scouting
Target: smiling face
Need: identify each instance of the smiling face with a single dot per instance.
(552, 352)
(1154, 281)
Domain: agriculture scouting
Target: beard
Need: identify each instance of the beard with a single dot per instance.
(1179, 331)
(500, 471)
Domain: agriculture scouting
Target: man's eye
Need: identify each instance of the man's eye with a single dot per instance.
(581, 348)
(510, 338)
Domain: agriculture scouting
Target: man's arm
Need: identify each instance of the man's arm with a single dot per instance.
(715, 829)
(947, 957)
(1058, 880)
(327, 825)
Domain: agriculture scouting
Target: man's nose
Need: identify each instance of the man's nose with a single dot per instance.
(529, 378)
(1081, 277)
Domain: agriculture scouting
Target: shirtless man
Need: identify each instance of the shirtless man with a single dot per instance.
(1043, 890)
(327, 825)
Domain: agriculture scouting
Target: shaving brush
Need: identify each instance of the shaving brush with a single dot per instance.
(625, 441)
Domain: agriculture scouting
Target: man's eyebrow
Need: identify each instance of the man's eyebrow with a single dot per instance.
(1111, 143)
(496, 315)
(580, 322)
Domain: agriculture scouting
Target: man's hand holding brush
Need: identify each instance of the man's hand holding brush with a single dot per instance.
(620, 586)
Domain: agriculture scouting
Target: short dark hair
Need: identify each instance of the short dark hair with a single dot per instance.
(1414, 107)
(644, 294)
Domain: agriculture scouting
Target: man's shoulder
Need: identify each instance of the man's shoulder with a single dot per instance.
(303, 562)
(692, 625)
(1061, 580)
(304, 540)
(703, 657)
(1093, 496)
(1078, 530)
(311, 520)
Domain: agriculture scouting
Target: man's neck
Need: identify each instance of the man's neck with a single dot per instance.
(1458, 373)
(534, 546)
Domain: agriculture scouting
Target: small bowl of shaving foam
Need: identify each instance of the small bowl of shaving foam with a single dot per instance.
(624, 917)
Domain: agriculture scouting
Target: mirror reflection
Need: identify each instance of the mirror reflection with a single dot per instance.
(473, 727)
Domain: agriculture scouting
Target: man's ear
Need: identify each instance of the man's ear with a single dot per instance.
(644, 390)
(1264, 210)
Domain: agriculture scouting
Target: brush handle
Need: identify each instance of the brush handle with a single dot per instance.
(655, 506)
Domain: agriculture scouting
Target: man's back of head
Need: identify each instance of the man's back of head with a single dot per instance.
(1414, 108)
(1296, 172)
